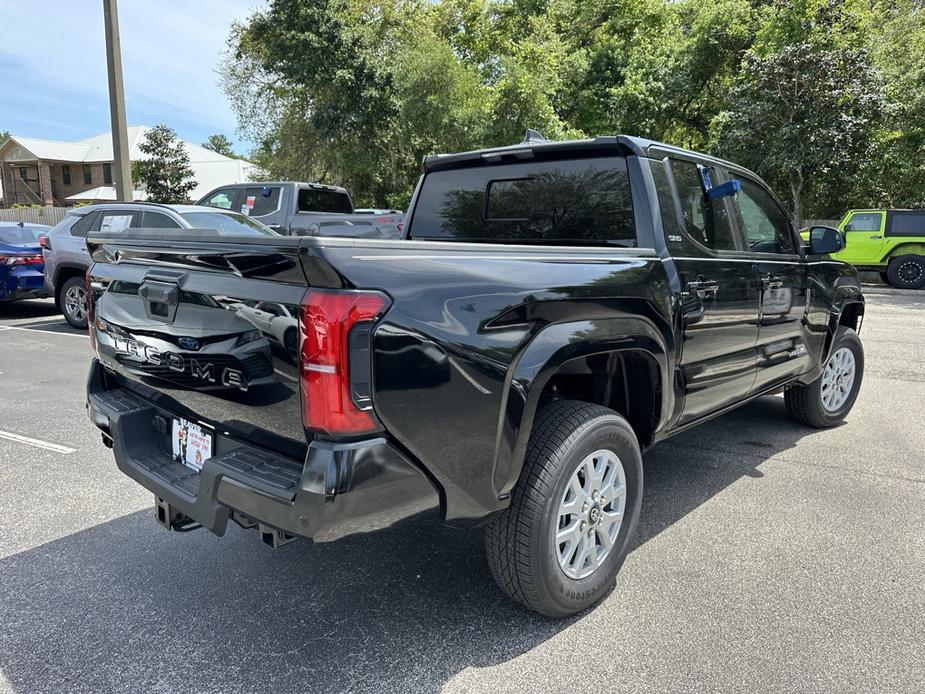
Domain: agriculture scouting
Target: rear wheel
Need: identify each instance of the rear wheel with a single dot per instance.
(291, 341)
(907, 272)
(73, 301)
(559, 545)
(827, 401)
(884, 277)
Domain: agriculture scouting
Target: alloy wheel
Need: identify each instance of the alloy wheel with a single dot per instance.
(590, 514)
(75, 303)
(837, 379)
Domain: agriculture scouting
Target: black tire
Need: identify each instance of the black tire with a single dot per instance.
(885, 277)
(805, 402)
(519, 541)
(907, 272)
(74, 285)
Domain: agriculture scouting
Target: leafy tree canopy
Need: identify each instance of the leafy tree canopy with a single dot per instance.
(824, 98)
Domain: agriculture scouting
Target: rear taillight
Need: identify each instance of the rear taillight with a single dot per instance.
(329, 318)
(21, 260)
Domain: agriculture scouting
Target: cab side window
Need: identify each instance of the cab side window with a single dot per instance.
(864, 221)
(705, 221)
(765, 225)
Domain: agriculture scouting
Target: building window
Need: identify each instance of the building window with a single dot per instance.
(23, 171)
(66, 174)
(107, 174)
(88, 179)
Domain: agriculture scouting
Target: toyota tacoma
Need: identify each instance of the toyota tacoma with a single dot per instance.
(553, 310)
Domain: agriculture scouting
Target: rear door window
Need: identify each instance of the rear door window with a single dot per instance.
(259, 202)
(116, 220)
(578, 201)
(705, 221)
(906, 223)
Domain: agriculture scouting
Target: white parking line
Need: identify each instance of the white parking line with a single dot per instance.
(39, 330)
(38, 443)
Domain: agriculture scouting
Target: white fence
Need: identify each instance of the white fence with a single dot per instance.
(34, 215)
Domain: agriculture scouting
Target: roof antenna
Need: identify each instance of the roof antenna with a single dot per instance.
(532, 137)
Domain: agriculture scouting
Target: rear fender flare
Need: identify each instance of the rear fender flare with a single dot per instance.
(905, 248)
(547, 352)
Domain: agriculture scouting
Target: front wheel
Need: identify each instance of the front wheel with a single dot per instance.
(827, 401)
(73, 302)
(559, 545)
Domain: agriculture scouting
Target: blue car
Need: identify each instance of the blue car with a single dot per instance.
(22, 267)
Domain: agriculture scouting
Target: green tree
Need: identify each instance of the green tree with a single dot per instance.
(897, 178)
(355, 92)
(165, 173)
(221, 144)
(803, 117)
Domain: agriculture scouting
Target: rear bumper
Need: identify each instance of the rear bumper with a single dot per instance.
(25, 283)
(340, 490)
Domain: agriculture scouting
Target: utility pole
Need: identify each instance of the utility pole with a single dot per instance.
(123, 168)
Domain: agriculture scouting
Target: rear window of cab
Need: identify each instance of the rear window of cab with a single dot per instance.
(575, 201)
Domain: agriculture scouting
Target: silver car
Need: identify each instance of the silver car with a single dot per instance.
(67, 258)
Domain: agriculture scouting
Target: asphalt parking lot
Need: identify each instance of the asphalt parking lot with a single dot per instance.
(770, 558)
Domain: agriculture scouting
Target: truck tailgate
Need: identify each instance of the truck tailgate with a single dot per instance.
(209, 332)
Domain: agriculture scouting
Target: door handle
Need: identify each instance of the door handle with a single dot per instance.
(703, 287)
(771, 282)
(875, 236)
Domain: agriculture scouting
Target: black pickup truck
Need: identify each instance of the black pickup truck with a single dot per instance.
(554, 310)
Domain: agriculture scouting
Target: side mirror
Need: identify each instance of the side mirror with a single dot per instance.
(825, 240)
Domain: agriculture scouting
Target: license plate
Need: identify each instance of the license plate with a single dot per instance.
(192, 444)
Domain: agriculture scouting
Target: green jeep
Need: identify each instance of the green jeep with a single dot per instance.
(891, 242)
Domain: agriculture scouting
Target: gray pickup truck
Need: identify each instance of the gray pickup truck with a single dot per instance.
(305, 209)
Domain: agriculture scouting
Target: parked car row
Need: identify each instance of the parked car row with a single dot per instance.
(56, 264)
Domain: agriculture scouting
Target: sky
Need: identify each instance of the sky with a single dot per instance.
(53, 82)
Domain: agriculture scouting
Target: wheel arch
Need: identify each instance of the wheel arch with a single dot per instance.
(63, 273)
(850, 314)
(904, 248)
(610, 362)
